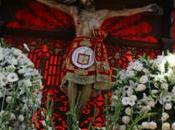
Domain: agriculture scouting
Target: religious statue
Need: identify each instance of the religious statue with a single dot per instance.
(86, 64)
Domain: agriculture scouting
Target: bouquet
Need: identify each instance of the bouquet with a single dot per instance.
(144, 95)
(20, 90)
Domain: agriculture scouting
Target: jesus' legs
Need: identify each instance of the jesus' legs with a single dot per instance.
(85, 94)
(72, 93)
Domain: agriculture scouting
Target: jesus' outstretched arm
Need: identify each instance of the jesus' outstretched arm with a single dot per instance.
(104, 14)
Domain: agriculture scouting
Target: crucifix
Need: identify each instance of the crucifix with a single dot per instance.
(86, 64)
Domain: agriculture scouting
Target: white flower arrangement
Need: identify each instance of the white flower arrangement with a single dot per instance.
(144, 95)
(20, 90)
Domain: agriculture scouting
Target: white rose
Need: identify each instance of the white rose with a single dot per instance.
(165, 116)
(125, 119)
(144, 79)
(151, 103)
(173, 126)
(154, 91)
(168, 106)
(145, 125)
(146, 108)
(140, 88)
(152, 125)
(134, 97)
(166, 126)
(21, 118)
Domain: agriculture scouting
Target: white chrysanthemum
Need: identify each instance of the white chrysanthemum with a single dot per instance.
(12, 116)
(125, 101)
(21, 118)
(128, 111)
(173, 90)
(12, 82)
(173, 126)
(8, 99)
(27, 83)
(137, 65)
(171, 59)
(168, 106)
(12, 61)
(166, 126)
(167, 98)
(165, 116)
(130, 73)
(131, 101)
(146, 71)
(16, 52)
(144, 79)
(126, 119)
(1, 94)
(115, 97)
(1, 54)
(160, 62)
(130, 91)
(122, 127)
(122, 75)
(160, 78)
(164, 86)
(12, 77)
(140, 88)
(3, 80)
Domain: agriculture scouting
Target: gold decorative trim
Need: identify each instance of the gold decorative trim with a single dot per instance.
(81, 72)
(85, 42)
(101, 82)
(79, 79)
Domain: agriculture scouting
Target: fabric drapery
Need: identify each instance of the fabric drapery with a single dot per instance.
(98, 73)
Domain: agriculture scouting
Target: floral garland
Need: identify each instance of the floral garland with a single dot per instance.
(20, 90)
(144, 95)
